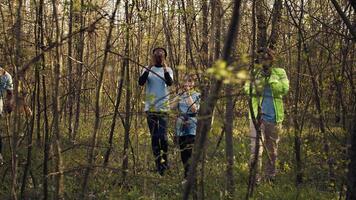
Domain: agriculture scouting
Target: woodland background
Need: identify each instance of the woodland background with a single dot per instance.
(77, 62)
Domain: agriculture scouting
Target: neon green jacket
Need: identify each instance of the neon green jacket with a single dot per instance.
(279, 84)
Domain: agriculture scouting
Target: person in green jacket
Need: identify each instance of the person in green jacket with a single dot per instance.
(269, 86)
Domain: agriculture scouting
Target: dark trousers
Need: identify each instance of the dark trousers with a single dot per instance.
(186, 148)
(157, 123)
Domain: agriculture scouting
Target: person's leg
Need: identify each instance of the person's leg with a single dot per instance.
(164, 150)
(162, 132)
(183, 152)
(271, 142)
(153, 127)
(189, 150)
(152, 123)
(156, 152)
(186, 149)
(253, 135)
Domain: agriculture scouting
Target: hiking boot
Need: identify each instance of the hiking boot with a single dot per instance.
(161, 170)
(270, 180)
(165, 165)
(184, 182)
(258, 180)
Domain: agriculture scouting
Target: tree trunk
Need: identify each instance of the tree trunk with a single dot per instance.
(91, 153)
(30, 128)
(16, 124)
(255, 116)
(352, 28)
(276, 21)
(351, 175)
(261, 24)
(70, 74)
(128, 97)
(45, 113)
(297, 128)
(59, 193)
(297, 132)
(46, 140)
(229, 116)
(205, 35)
(80, 53)
(116, 113)
(208, 105)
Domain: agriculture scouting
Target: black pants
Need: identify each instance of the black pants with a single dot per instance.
(157, 123)
(186, 148)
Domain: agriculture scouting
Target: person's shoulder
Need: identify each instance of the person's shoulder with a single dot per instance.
(278, 70)
(169, 69)
(155, 68)
(7, 75)
(196, 94)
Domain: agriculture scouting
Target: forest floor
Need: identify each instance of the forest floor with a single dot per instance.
(144, 183)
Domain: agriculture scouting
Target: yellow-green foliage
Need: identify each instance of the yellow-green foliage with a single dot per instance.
(221, 71)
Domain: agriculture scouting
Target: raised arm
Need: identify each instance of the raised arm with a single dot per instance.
(168, 79)
(9, 94)
(174, 103)
(143, 78)
(168, 74)
(193, 106)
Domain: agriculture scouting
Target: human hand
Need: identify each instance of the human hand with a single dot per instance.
(273, 79)
(266, 71)
(259, 85)
(164, 63)
(9, 107)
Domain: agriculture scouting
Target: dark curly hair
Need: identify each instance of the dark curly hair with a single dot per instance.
(157, 48)
(265, 50)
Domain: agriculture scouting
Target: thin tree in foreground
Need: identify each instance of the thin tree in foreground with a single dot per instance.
(59, 193)
(207, 109)
(126, 66)
(91, 153)
(16, 124)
